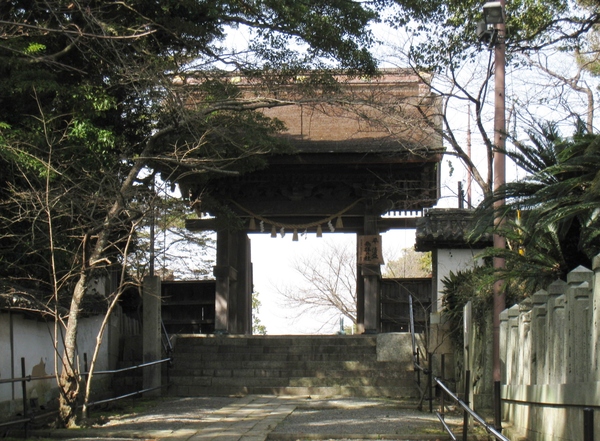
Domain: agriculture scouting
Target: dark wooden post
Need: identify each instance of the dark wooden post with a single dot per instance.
(242, 309)
(223, 273)
(371, 278)
(233, 274)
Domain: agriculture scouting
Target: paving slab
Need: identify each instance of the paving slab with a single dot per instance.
(262, 418)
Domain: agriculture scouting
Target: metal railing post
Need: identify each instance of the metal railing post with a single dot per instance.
(588, 424)
(497, 406)
(86, 378)
(418, 370)
(24, 387)
(412, 322)
(24, 391)
(430, 375)
(442, 368)
(467, 395)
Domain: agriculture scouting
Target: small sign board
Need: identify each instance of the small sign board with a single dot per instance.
(369, 250)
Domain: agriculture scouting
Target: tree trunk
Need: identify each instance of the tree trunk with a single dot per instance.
(69, 379)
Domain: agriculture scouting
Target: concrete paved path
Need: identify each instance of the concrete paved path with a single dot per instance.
(260, 418)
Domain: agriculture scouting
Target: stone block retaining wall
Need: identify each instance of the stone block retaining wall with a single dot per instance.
(550, 351)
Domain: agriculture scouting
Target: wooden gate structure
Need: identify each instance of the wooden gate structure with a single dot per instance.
(354, 160)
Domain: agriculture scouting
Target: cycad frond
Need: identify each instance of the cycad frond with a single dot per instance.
(560, 205)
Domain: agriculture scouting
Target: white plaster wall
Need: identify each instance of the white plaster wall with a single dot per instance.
(453, 259)
(34, 341)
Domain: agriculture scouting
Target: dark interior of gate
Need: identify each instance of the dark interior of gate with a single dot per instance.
(350, 164)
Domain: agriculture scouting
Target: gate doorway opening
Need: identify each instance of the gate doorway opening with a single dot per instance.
(322, 271)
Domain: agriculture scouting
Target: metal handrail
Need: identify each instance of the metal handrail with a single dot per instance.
(446, 427)
(412, 324)
(416, 362)
(129, 368)
(491, 430)
(27, 378)
(15, 422)
(168, 347)
(411, 313)
(417, 366)
(129, 395)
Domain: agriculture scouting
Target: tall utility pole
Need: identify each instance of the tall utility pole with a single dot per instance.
(494, 16)
(499, 180)
(469, 154)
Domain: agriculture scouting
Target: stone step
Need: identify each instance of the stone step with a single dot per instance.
(195, 340)
(363, 366)
(276, 350)
(267, 350)
(337, 391)
(348, 365)
(277, 359)
(230, 362)
(346, 381)
(292, 373)
(289, 381)
(290, 369)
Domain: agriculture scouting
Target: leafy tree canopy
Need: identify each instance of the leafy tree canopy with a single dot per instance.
(410, 264)
(445, 32)
(90, 96)
(85, 87)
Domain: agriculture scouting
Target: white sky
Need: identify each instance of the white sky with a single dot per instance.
(272, 260)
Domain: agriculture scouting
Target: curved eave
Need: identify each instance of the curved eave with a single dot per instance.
(448, 228)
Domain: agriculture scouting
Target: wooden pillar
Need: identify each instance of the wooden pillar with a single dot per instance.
(233, 274)
(240, 316)
(371, 281)
(360, 295)
(245, 285)
(232, 309)
(151, 343)
(223, 273)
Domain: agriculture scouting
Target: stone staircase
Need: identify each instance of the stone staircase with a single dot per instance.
(324, 366)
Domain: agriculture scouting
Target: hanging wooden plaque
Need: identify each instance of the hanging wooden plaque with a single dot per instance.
(369, 250)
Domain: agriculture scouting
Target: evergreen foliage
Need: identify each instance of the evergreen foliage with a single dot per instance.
(91, 94)
(552, 214)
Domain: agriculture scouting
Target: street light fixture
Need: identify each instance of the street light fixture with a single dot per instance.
(487, 30)
(493, 13)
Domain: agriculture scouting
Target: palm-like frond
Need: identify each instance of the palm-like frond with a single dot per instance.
(560, 203)
(541, 152)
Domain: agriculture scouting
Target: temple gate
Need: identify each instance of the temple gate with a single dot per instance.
(353, 161)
